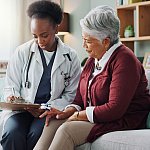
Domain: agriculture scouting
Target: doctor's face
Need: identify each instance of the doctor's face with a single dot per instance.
(44, 33)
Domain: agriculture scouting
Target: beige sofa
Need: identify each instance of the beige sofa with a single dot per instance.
(120, 140)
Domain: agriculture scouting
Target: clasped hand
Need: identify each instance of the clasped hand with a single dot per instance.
(70, 114)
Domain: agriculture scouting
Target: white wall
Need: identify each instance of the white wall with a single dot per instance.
(77, 10)
(95, 3)
(14, 29)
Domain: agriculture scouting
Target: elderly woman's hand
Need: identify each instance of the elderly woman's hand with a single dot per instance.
(66, 113)
(78, 116)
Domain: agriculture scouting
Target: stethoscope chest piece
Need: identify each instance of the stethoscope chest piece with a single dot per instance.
(66, 78)
(27, 84)
(66, 83)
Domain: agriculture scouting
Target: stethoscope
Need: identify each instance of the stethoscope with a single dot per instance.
(65, 75)
(66, 78)
(27, 83)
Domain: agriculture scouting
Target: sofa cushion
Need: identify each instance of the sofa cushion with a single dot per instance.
(86, 146)
(121, 140)
(124, 140)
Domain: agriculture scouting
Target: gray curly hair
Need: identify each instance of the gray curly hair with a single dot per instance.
(101, 22)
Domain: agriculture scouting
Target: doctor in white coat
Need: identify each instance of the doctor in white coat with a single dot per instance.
(43, 70)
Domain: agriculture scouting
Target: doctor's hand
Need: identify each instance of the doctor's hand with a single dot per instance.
(50, 114)
(36, 112)
(11, 99)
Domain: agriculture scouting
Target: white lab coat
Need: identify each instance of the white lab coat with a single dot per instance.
(61, 95)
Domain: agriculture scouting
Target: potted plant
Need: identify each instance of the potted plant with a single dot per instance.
(129, 31)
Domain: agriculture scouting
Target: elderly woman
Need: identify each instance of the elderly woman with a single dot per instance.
(112, 91)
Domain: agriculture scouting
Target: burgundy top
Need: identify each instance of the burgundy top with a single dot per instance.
(119, 93)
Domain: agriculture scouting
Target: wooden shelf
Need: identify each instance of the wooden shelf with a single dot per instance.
(143, 38)
(133, 5)
(137, 15)
(128, 39)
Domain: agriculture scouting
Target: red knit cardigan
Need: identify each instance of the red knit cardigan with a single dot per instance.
(119, 94)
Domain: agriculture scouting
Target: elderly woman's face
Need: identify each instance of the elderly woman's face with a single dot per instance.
(44, 33)
(93, 46)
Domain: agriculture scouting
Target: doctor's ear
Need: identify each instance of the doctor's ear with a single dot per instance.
(56, 29)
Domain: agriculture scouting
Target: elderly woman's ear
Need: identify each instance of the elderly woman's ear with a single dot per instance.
(106, 43)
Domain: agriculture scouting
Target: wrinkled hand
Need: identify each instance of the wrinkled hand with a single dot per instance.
(78, 116)
(73, 117)
(36, 112)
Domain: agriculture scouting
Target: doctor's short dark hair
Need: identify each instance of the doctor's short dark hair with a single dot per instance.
(45, 9)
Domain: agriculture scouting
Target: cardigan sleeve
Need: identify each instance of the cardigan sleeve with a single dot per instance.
(78, 98)
(126, 75)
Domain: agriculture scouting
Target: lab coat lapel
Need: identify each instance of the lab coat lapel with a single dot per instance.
(39, 67)
(37, 53)
(38, 58)
(59, 59)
